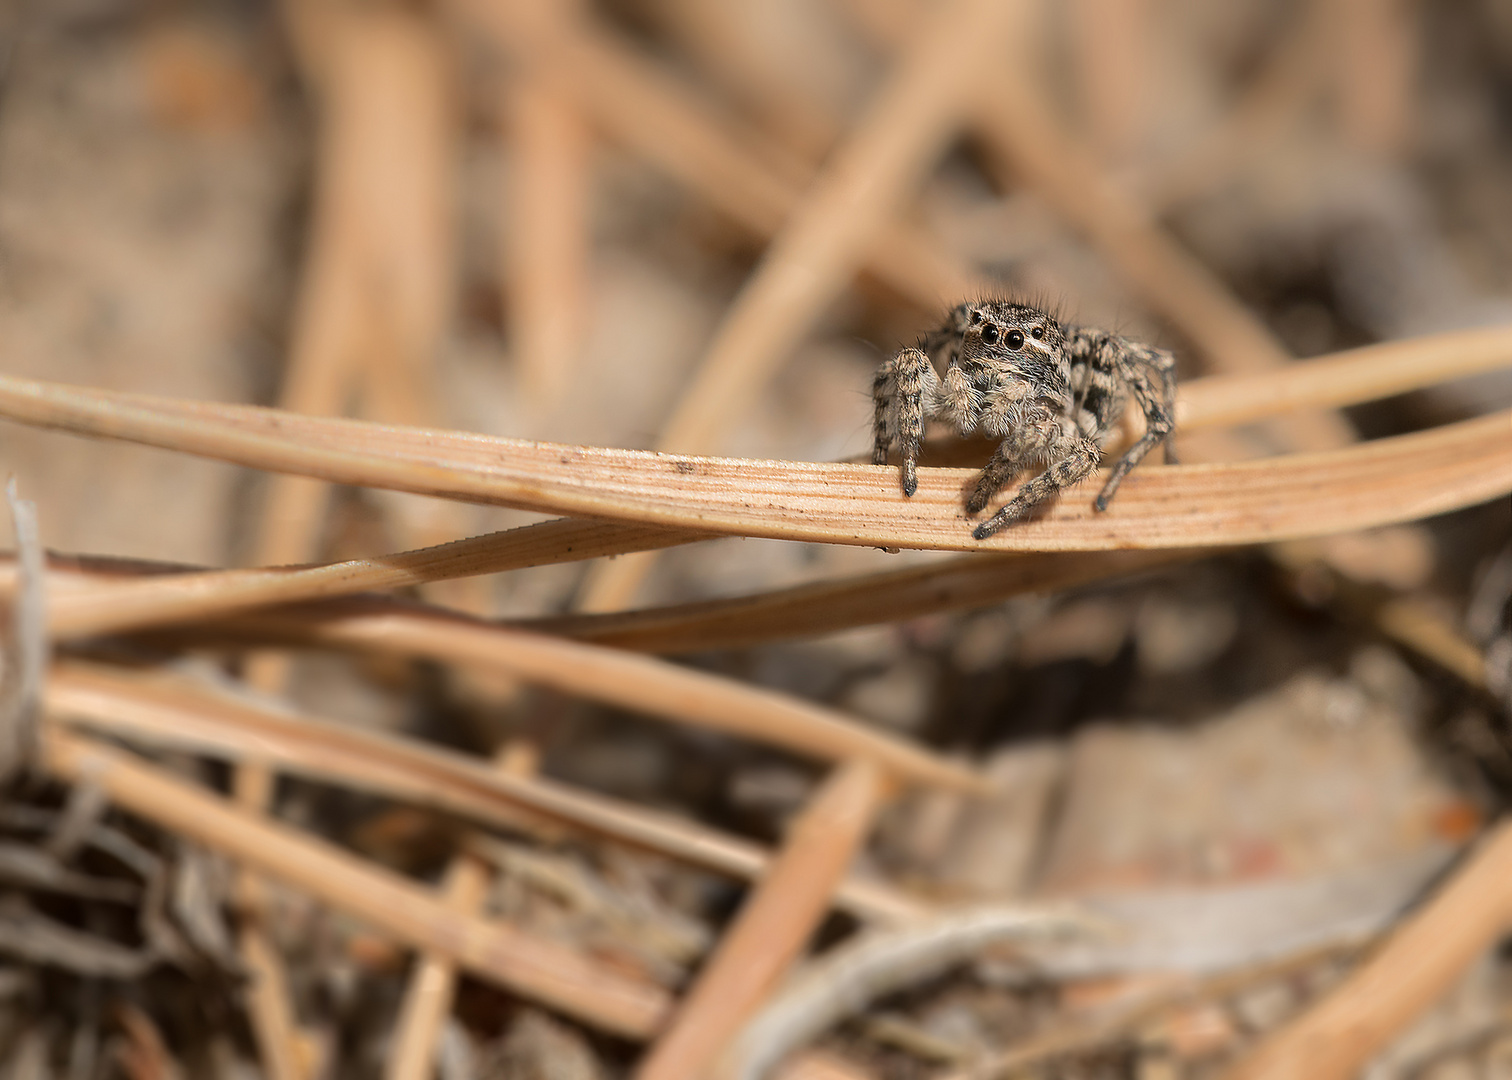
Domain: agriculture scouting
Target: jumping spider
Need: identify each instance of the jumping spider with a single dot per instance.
(1052, 394)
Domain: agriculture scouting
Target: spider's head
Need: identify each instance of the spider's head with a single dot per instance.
(1015, 334)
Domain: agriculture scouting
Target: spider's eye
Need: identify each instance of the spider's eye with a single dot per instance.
(1015, 339)
(1038, 332)
(990, 334)
(976, 317)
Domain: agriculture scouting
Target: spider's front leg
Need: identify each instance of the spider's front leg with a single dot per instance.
(1076, 466)
(899, 392)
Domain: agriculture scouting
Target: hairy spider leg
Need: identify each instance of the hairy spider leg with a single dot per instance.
(1070, 469)
(899, 392)
(1150, 375)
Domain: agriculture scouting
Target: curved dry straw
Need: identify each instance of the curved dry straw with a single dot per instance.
(1250, 502)
(664, 500)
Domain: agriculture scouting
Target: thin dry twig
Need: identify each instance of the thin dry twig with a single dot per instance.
(372, 306)
(545, 253)
(625, 680)
(177, 598)
(1351, 377)
(1381, 482)
(494, 951)
(961, 583)
(1343, 379)
(377, 273)
(772, 927)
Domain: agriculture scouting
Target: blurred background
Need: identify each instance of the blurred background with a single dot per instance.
(699, 225)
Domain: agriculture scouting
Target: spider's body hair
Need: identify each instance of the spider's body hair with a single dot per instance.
(1051, 394)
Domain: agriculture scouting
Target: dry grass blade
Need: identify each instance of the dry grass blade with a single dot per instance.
(169, 712)
(960, 583)
(1349, 377)
(624, 680)
(160, 599)
(548, 207)
(772, 927)
(1345, 378)
(1382, 482)
(494, 951)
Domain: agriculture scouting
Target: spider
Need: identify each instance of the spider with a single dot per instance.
(1052, 394)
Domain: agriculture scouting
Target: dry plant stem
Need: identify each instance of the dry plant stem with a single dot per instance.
(818, 252)
(162, 599)
(376, 295)
(1418, 963)
(666, 123)
(394, 68)
(364, 107)
(1413, 625)
(547, 247)
(633, 682)
(1382, 482)
(957, 584)
(1351, 377)
(163, 712)
(491, 950)
(1346, 378)
(382, 172)
(773, 925)
(432, 985)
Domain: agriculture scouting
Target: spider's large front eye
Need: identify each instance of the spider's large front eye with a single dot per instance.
(1015, 339)
(990, 334)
